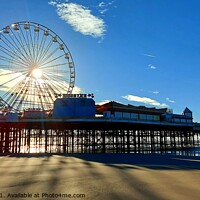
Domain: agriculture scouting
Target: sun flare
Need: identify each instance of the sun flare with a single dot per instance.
(37, 73)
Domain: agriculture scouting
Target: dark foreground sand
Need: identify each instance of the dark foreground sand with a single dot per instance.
(108, 176)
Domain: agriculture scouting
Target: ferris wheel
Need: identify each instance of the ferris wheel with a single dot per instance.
(36, 66)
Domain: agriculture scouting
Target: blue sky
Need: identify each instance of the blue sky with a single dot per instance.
(140, 52)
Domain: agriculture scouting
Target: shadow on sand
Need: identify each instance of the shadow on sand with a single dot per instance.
(152, 161)
(126, 161)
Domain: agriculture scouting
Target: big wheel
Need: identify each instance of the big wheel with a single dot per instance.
(36, 67)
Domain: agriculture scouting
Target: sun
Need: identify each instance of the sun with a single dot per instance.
(37, 73)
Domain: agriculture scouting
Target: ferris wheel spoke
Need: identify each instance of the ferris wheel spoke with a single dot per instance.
(24, 40)
(8, 60)
(50, 91)
(45, 51)
(15, 78)
(12, 43)
(13, 94)
(32, 45)
(22, 98)
(48, 56)
(50, 61)
(9, 73)
(19, 43)
(23, 43)
(3, 67)
(58, 78)
(46, 98)
(55, 77)
(41, 48)
(41, 94)
(11, 58)
(15, 50)
(11, 98)
(16, 66)
(54, 88)
(35, 44)
(24, 46)
(51, 67)
(36, 98)
(56, 83)
(29, 94)
(57, 72)
(15, 89)
(29, 47)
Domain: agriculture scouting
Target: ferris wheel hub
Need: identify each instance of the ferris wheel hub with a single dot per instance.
(36, 73)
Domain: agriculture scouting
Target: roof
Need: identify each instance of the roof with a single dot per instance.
(118, 107)
(187, 110)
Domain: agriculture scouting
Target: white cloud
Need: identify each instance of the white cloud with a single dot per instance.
(80, 18)
(5, 83)
(155, 92)
(77, 90)
(152, 66)
(103, 102)
(149, 55)
(169, 100)
(150, 91)
(144, 100)
(106, 101)
(53, 3)
(103, 11)
(104, 6)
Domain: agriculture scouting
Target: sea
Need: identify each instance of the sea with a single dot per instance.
(185, 152)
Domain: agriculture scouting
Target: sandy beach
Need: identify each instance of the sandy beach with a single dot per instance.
(100, 176)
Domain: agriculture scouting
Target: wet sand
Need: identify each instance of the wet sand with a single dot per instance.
(100, 176)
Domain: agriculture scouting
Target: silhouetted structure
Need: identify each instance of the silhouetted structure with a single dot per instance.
(116, 128)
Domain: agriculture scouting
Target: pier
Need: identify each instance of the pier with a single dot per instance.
(95, 135)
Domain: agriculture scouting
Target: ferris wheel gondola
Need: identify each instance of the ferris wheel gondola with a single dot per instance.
(36, 66)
